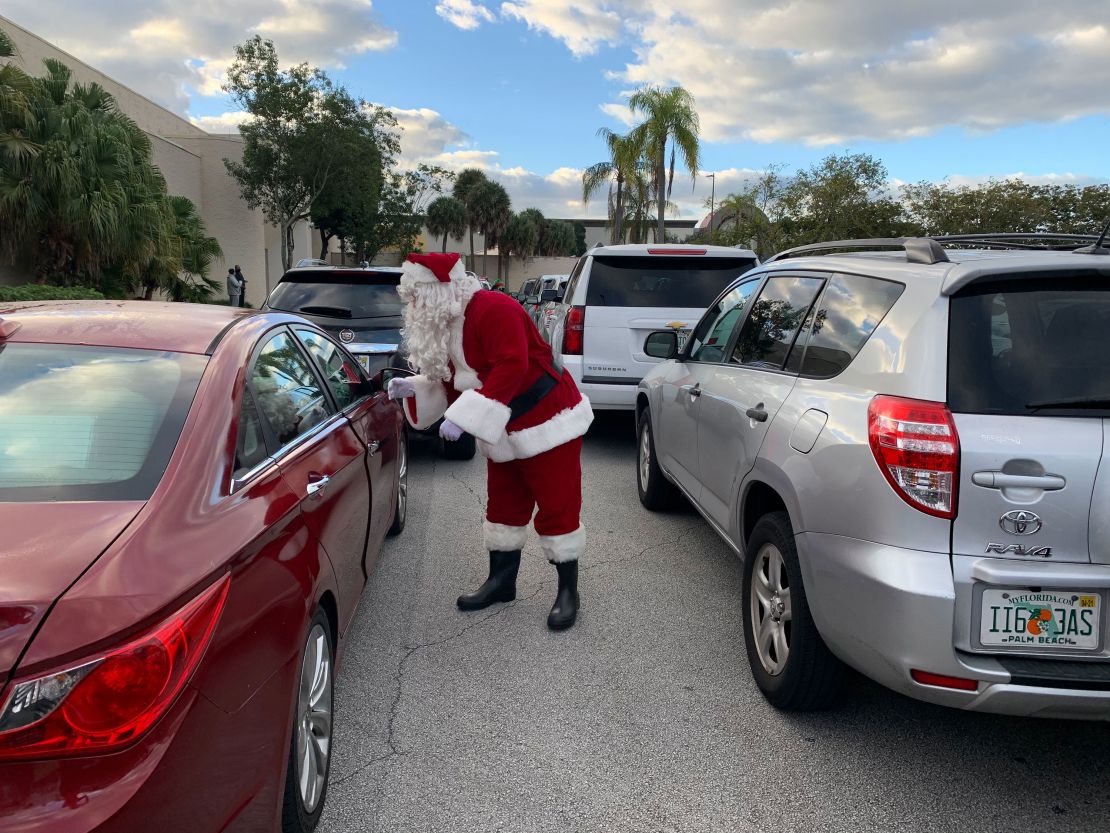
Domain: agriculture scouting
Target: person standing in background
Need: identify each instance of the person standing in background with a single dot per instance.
(242, 286)
(234, 289)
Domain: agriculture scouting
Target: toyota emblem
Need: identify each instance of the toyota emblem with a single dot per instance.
(1020, 522)
(346, 336)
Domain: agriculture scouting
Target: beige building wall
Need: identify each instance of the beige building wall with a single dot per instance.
(192, 162)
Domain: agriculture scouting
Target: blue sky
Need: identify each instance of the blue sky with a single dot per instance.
(938, 89)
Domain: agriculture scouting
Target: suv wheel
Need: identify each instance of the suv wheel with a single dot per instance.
(656, 491)
(464, 448)
(306, 780)
(791, 664)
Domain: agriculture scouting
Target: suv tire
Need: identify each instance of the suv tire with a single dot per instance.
(656, 492)
(464, 448)
(803, 674)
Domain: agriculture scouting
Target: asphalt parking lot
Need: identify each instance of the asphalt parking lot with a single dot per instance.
(644, 717)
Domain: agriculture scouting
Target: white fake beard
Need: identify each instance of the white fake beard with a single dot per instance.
(429, 313)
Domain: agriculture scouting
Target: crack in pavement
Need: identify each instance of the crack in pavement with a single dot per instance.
(398, 678)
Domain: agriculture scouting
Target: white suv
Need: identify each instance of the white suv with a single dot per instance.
(617, 295)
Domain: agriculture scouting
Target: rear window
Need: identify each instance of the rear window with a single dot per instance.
(354, 295)
(1031, 346)
(90, 423)
(685, 282)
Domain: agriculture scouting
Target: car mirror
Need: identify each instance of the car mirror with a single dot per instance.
(549, 295)
(381, 379)
(533, 299)
(662, 344)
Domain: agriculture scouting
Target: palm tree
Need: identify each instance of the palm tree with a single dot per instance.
(520, 238)
(624, 159)
(491, 210)
(669, 118)
(465, 184)
(446, 217)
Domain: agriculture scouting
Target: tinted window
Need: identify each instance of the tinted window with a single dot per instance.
(850, 309)
(286, 390)
(661, 281)
(1032, 346)
(774, 321)
(90, 423)
(339, 294)
(339, 372)
(572, 283)
(711, 338)
(250, 446)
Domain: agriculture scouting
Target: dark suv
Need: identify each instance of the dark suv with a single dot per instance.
(361, 307)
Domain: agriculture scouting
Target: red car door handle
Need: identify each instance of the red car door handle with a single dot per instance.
(373, 447)
(316, 485)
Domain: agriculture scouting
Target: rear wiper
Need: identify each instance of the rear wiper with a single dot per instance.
(1073, 402)
(334, 312)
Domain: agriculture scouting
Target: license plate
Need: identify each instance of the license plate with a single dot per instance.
(1049, 620)
(682, 336)
(365, 362)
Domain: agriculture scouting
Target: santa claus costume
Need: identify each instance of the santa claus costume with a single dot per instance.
(484, 369)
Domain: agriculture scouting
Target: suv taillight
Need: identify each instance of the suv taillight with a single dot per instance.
(573, 327)
(918, 450)
(109, 700)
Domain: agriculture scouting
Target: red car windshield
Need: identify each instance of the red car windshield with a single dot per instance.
(90, 423)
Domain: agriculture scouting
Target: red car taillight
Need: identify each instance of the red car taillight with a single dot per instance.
(573, 326)
(918, 450)
(111, 699)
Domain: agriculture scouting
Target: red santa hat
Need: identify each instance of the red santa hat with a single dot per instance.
(432, 268)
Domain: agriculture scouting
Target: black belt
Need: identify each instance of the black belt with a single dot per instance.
(520, 405)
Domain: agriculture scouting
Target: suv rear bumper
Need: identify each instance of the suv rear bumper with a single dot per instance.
(603, 397)
(886, 611)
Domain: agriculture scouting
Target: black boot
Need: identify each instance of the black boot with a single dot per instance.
(499, 587)
(565, 610)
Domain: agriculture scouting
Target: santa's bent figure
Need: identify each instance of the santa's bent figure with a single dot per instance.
(485, 370)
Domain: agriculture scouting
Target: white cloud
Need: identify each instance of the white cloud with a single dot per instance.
(824, 73)
(170, 51)
(582, 26)
(222, 123)
(466, 14)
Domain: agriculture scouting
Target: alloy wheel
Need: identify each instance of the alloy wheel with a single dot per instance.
(645, 457)
(771, 609)
(403, 482)
(314, 719)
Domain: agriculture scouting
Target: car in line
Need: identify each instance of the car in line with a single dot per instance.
(617, 295)
(550, 298)
(906, 441)
(527, 290)
(359, 306)
(192, 500)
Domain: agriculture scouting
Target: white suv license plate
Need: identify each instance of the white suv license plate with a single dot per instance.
(1049, 620)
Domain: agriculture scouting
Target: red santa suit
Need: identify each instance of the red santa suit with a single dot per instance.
(527, 416)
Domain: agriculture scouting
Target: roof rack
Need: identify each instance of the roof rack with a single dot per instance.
(931, 249)
(918, 249)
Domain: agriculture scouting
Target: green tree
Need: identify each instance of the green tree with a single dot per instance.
(465, 184)
(670, 119)
(579, 239)
(300, 135)
(491, 210)
(613, 174)
(398, 217)
(520, 238)
(15, 111)
(446, 218)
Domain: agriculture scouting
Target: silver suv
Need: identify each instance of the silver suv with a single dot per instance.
(907, 447)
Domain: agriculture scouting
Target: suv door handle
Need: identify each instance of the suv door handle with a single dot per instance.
(1001, 480)
(757, 413)
(692, 390)
(316, 485)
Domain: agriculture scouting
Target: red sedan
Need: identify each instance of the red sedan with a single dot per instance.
(191, 500)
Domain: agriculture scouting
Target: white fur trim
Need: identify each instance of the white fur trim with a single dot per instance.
(479, 415)
(503, 538)
(414, 273)
(528, 442)
(465, 376)
(431, 402)
(563, 548)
